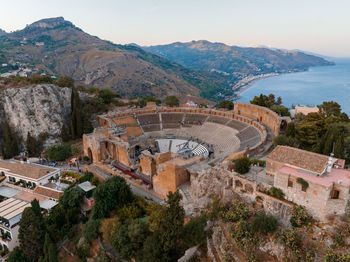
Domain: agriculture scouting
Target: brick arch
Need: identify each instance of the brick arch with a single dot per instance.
(259, 199)
(249, 188)
(238, 183)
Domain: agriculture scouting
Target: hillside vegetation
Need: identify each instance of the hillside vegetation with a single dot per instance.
(57, 47)
(231, 63)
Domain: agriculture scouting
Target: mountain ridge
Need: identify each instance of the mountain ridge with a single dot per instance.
(233, 63)
(57, 47)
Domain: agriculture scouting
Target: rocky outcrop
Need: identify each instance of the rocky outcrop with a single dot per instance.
(37, 109)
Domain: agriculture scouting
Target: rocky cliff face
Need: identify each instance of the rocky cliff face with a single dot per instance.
(37, 109)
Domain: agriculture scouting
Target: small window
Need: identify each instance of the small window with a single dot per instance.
(290, 183)
(335, 194)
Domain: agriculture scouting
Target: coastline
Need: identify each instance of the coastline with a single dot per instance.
(248, 82)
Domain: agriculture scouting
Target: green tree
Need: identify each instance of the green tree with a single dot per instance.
(31, 145)
(242, 165)
(284, 140)
(50, 252)
(76, 118)
(194, 231)
(64, 134)
(310, 129)
(59, 152)
(266, 101)
(280, 110)
(17, 255)
(71, 197)
(32, 231)
(172, 101)
(10, 141)
(171, 228)
(228, 104)
(152, 249)
(330, 109)
(91, 229)
(129, 237)
(112, 193)
(291, 129)
(339, 147)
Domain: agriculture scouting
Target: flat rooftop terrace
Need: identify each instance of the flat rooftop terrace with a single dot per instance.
(23, 169)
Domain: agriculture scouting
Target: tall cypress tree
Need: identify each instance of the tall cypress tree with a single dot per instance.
(9, 143)
(76, 119)
(339, 147)
(171, 228)
(32, 231)
(50, 252)
(31, 145)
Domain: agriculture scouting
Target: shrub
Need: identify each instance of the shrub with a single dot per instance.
(238, 211)
(242, 165)
(107, 95)
(303, 183)
(291, 239)
(331, 256)
(92, 89)
(300, 217)
(264, 223)
(65, 81)
(244, 236)
(59, 153)
(75, 150)
(276, 192)
(91, 230)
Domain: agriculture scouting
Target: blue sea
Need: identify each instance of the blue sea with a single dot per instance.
(324, 83)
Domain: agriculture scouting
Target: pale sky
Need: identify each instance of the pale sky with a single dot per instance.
(320, 26)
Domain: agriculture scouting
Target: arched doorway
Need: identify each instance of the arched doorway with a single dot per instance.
(283, 125)
(90, 155)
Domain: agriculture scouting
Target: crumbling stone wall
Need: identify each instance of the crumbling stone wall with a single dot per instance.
(316, 198)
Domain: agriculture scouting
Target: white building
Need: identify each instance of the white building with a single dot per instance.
(27, 174)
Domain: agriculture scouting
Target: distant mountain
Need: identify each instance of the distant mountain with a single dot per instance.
(56, 46)
(233, 61)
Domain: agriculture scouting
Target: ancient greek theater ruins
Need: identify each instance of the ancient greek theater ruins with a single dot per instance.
(162, 149)
(161, 146)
